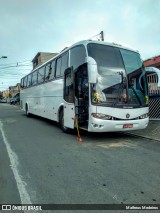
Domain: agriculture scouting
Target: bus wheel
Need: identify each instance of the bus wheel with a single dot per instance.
(61, 122)
(27, 112)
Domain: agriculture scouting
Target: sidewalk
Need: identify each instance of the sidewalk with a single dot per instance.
(151, 132)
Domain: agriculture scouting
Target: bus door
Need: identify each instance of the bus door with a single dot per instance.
(68, 95)
(82, 96)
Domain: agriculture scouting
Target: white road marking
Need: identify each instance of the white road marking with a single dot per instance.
(25, 198)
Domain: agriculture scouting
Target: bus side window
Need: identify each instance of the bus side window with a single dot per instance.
(34, 78)
(47, 74)
(64, 64)
(68, 89)
(58, 67)
(22, 83)
(25, 82)
(29, 80)
(50, 69)
(41, 73)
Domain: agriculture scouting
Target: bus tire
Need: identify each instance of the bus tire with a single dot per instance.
(27, 111)
(61, 122)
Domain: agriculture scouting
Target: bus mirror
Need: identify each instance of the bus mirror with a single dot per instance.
(91, 61)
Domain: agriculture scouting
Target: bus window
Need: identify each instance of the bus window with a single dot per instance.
(50, 68)
(68, 88)
(58, 67)
(25, 82)
(22, 84)
(29, 80)
(78, 55)
(41, 74)
(64, 65)
(34, 78)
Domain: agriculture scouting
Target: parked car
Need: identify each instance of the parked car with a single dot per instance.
(15, 99)
(3, 100)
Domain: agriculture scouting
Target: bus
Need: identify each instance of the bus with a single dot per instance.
(95, 85)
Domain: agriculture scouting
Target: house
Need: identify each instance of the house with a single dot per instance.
(42, 57)
(153, 62)
(14, 90)
(153, 86)
(5, 93)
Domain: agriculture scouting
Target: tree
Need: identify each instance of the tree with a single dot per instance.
(1, 95)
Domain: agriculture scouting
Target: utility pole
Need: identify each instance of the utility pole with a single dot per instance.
(102, 35)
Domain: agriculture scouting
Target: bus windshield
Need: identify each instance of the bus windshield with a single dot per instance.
(121, 81)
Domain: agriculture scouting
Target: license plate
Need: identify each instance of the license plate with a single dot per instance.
(127, 126)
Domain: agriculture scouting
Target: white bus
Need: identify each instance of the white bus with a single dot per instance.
(101, 86)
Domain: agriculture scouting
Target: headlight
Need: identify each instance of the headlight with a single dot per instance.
(101, 116)
(143, 116)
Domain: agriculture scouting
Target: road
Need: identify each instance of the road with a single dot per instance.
(40, 164)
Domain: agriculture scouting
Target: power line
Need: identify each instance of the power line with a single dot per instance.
(20, 62)
(15, 66)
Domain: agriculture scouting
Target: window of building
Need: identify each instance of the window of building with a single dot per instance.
(77, 56)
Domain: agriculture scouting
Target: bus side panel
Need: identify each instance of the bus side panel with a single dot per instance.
(44, 99)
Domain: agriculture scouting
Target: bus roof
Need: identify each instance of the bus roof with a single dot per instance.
(85, 42)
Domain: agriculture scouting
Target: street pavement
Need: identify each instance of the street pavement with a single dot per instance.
(41, 165)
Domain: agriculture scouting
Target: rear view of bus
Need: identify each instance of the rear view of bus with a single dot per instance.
(118, 89)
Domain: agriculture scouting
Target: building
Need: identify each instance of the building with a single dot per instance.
(14, 90)
(153, 87)
(5, 93)
(42, 57)
(153, 62)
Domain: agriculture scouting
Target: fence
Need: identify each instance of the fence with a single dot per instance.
(154, 96)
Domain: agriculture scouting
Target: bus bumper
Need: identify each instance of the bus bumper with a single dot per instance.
(99, 125)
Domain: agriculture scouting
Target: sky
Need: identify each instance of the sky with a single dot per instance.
(31, 26)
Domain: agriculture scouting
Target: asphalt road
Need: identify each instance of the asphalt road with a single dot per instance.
(41, 165)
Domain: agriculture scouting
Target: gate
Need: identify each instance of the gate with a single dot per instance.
(154, 96)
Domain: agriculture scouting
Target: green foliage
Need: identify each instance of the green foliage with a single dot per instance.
(1, 95)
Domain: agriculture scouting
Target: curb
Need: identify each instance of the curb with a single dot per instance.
(140, 136)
